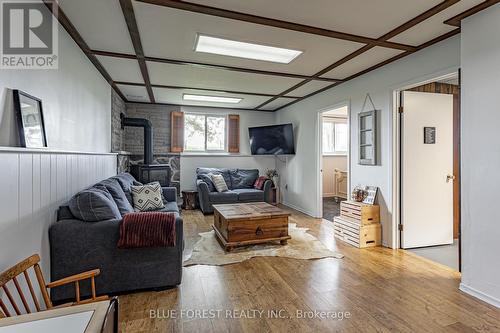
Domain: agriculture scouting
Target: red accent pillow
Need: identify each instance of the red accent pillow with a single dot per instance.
(259, 183)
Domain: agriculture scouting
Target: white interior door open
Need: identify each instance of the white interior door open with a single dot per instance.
(426, 169)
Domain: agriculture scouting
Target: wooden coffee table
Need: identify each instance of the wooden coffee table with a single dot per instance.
(243, 224)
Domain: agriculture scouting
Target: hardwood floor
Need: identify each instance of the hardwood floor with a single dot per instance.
(377, 290)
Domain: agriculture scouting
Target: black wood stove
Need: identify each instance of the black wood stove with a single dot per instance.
(147, 171)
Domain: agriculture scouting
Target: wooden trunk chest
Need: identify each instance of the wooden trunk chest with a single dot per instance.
(249, 223)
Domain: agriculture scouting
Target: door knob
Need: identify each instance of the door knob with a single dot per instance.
(450, 178)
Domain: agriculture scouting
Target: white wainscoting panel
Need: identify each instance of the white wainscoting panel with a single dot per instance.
(33, 186)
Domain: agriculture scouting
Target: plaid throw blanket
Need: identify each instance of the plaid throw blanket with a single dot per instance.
(147, 229)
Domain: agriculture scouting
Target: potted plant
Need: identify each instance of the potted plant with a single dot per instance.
(273, 175)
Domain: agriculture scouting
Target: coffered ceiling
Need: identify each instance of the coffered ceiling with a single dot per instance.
(146, 48)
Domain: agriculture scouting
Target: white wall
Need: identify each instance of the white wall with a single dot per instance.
(302, 171)
(189, 162)
(480, 158)
(34, 185)
(330, 163)
(76, 101)
(77, 111)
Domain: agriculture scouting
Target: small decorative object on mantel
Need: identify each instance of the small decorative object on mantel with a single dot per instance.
(371, 195)
(359, 194)
(367, 134)
(273, 175)
(29, 120)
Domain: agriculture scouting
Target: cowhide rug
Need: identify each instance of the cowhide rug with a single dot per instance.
(207, 251)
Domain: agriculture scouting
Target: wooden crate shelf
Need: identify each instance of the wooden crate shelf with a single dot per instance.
(362, 213)
(356, 234)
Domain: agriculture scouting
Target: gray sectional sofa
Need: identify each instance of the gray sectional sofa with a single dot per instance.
(240, 183)
(77, 246)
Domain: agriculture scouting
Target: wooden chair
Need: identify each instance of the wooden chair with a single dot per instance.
(22, 268)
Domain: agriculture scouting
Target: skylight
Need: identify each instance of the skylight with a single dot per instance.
(217, 99)
(234, 48)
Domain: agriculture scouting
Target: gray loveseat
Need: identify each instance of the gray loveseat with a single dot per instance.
(240, 183)
(77, 246)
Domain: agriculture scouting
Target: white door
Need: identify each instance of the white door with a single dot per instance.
(427, 170)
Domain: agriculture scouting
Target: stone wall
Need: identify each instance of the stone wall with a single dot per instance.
(159, 115)
(117, 134)
(133, 137)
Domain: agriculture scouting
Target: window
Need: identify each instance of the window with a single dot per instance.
(204, 133)
(335, 136)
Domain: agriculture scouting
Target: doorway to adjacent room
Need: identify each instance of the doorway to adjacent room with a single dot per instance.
(430, 171)
(334, 160)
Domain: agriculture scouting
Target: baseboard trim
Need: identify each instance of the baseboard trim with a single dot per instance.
(480, 295)
(300, 209)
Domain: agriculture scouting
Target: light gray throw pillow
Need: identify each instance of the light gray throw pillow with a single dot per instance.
(219, 183)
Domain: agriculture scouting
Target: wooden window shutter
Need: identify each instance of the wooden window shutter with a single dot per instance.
(233, 133)
(176, 131)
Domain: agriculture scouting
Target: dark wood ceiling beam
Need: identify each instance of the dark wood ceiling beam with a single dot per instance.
(219, 12)
(397, 57)
(212, 66)
(75, 35)
(200, 89)
(456, 20)
(202, 106)
(419, 19)
(128, 13)
(394, 32)
(323, 71)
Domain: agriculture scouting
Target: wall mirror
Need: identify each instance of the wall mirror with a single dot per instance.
(30, 123)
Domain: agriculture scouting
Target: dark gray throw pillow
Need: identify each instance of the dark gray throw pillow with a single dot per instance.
(94, 204)
(126, 180)
(215, 171)
(116, 191)
(207, 179)
(244, 178)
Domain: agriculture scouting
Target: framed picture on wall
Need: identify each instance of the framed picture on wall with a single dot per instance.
(30, 122)
(367, 126)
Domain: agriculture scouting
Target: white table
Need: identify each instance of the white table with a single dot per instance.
(87, 318)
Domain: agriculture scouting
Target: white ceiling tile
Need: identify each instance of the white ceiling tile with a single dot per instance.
(171, 33)
(370, 58)
(209, 78)
(277, 103)
(174, 96)
(125, 70)
(434, 26)
(134, 93)
(309, 88)
(360, 17)
(100, 23)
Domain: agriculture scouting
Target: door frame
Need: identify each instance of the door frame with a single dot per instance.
(397, 161)
(319, 152)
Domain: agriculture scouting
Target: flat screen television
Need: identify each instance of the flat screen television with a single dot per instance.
(272, 140)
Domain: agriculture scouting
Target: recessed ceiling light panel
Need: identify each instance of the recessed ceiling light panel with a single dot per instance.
(216, 99)
(234, 48)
